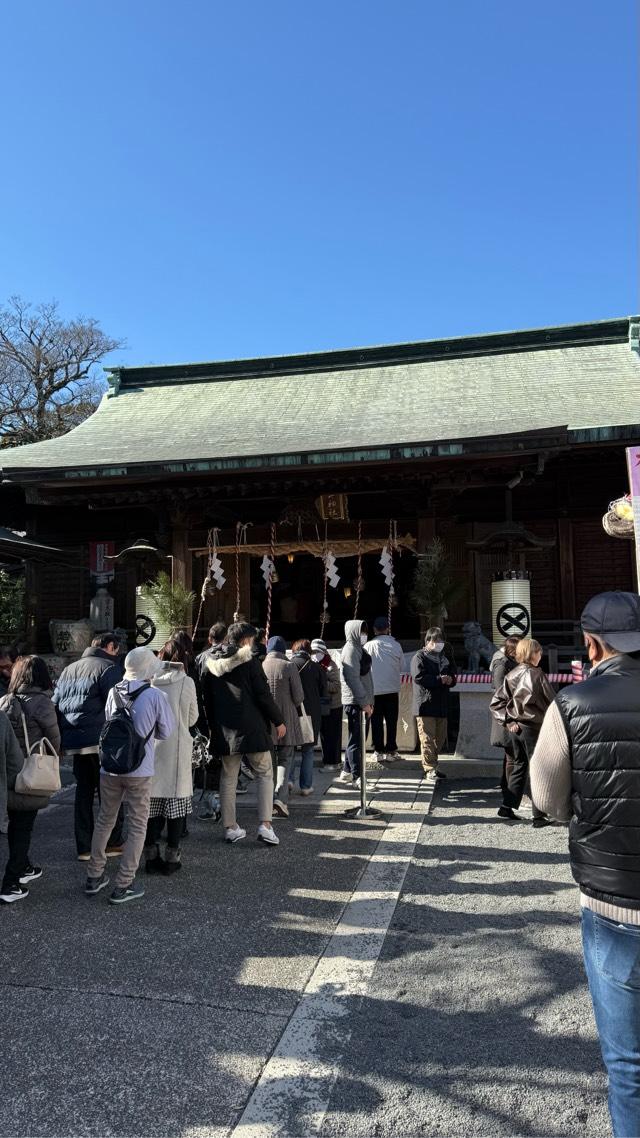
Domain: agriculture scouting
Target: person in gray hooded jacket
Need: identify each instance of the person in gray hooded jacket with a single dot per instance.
(357, 693)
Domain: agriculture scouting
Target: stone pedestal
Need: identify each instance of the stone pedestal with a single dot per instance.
(474, 738)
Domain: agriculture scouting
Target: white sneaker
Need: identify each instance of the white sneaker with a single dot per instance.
(306, 791)
(267, 834)
(235, 834)
(431, 779)
(14, 893)
(378, 757)
(280, 809)
(356, 783)
(345, 776)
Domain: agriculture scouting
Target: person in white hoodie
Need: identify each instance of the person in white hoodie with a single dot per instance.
(387, 659)
(172, 786)
(152, 719)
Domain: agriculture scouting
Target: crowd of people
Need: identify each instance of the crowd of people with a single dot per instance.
(244, 709)
(250, 708)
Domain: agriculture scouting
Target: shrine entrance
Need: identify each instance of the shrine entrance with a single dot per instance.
(288, 585)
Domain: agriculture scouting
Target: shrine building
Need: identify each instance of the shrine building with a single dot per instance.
(508, 447)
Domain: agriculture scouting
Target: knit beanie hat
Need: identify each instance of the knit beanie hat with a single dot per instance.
(318, 645)
(276, 644)
(141, 664)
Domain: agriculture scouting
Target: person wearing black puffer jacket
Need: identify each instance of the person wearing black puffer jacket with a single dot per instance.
(80, 696)
(241, 709)
(586, 770)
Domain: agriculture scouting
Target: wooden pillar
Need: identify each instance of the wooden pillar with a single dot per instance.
(181, 554)
(245, 589)
(566, 569)
(426, 532)
(31, 599)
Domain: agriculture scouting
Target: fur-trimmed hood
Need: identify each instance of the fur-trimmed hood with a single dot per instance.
(240, 708)
(230, 659)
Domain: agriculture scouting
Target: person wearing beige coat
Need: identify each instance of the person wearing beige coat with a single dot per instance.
(286, 688)
(172, 786)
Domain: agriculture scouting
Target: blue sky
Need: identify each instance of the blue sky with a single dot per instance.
(215, 180)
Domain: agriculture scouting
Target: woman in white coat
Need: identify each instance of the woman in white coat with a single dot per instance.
(172, 786)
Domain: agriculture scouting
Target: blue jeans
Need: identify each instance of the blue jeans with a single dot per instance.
(306, 766)
(612, 962)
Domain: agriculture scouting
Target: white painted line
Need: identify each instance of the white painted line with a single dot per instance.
(292, 1095)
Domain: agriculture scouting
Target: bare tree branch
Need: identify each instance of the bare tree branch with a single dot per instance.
(48, 377)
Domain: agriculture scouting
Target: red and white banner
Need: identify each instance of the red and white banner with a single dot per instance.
(633, 462)
(485, 678)
(99, 566)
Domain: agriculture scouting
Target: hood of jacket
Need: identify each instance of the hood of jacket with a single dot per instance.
(231, 657)
(500, 657)
(171, 675)
(353, 632)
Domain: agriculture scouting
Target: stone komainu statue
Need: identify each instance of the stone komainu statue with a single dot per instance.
(476, 644)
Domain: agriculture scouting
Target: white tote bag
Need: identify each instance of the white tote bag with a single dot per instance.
(306, 727)
(40, 774)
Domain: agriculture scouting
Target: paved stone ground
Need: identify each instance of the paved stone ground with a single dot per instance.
(470, 1014)
(477, 1020)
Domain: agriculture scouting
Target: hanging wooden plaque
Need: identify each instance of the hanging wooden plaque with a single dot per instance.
(333, 507)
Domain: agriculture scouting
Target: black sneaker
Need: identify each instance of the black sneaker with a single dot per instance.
(507, 812)
(31, 873)
(154, 865)
(124, 893)
(539, 823)
(95, 884)
(14, 893)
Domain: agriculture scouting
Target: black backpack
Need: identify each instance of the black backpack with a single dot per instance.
(120, 748)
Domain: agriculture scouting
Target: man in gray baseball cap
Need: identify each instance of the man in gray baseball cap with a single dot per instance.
(586, 771)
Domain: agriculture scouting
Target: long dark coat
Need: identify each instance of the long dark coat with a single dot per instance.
(500, 666)
(314, 682)
(286, 688)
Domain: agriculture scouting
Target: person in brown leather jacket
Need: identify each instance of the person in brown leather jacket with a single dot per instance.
(520, 706)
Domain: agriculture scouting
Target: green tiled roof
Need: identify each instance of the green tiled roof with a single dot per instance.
(362, 401)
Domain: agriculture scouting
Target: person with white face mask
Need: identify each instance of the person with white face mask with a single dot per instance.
(331, 722)
(387, 659)
(433, 677)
